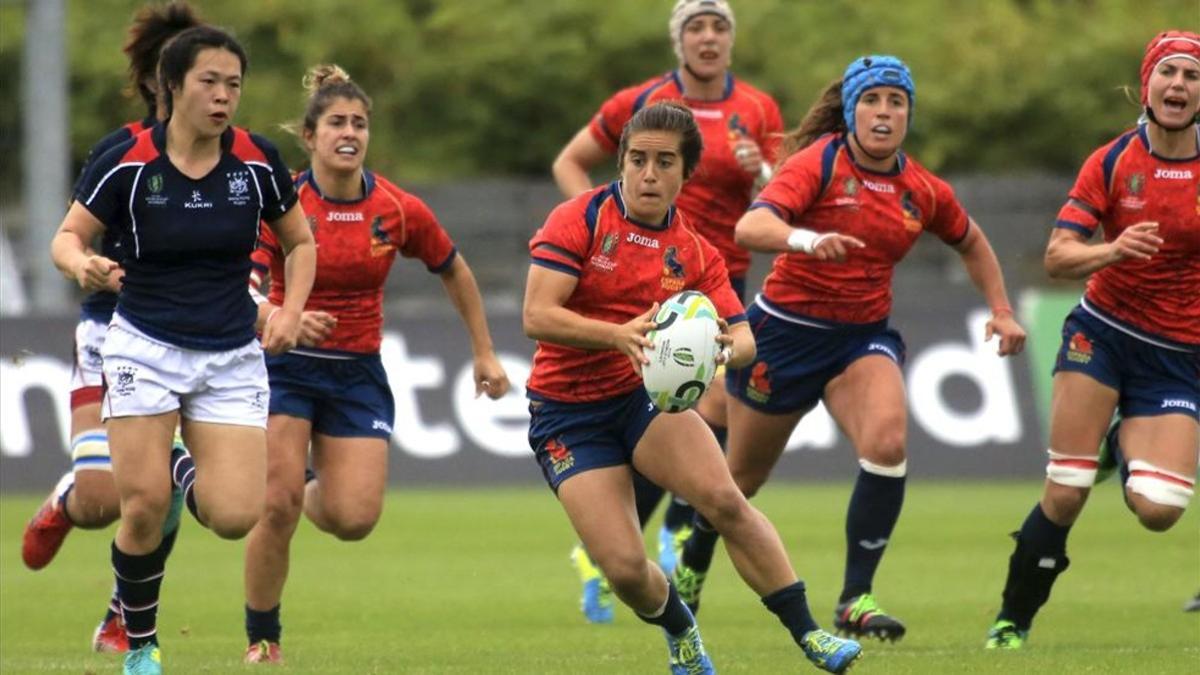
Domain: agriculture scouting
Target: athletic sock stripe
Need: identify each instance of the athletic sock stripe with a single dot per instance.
(141, 634)
(142, 608)
(1165, 477)
(138, 581)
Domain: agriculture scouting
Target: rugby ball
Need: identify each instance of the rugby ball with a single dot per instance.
(684, 357)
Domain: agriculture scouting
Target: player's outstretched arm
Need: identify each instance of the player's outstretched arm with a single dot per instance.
(577, 157)
(762, 231)
(984, 270)
(460, 284)
(1069, 256)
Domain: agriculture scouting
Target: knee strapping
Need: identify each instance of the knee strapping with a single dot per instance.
(89, 451)
(1159, 485)
(898, 471)
(1071, 470)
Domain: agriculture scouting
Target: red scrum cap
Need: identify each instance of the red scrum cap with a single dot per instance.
(1166, 45)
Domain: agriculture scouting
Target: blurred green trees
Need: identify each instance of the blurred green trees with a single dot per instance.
(493, 87)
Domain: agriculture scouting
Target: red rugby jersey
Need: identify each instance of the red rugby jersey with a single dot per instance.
(623, 268)
(719, 191)
(357, 242)
(1122, 184)
(822, 188)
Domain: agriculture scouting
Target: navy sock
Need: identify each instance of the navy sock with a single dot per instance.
(114, 605)
(679, 513)
(263, 625)
(790, 604)
(1040, 556)
(872, 514)
(675, 618)
(139, 578)
(698, 549)
(647, 495)
(183, 476)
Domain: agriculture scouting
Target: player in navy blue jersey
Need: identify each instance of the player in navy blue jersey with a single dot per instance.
(186, 200)
(86, 497)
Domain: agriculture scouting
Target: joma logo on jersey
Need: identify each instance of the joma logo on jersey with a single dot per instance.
(345, 217)
(1173, 174)
(886, 188)
(642, 240)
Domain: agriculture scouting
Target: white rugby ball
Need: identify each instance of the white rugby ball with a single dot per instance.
(684, 357)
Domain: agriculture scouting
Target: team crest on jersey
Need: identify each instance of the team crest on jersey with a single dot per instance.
(912, 212)
(737, 128)
(850, 186)
(239, 187)
(1079, 349)
(560, 455)
(759, 387)
(381, 243)
(672, 270)
(154, 185)
(609, 243)
(1134, 185)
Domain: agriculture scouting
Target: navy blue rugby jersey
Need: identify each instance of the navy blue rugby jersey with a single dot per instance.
(187, 243)
(99, 305)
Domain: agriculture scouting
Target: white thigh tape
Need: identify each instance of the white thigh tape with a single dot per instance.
(1159, 485)
(1071, 470)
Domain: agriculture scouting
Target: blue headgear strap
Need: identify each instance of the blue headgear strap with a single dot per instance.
(874, 71)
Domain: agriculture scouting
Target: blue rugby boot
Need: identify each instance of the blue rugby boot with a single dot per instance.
(597, 600)
(830, 652)
(145, 660)
(688, 656)
(670, 547)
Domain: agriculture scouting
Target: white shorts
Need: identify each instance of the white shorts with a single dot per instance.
(87, 376)
(147, 377)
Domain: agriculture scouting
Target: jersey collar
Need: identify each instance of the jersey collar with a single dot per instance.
(368, 184)
(724, 95)
(615, 189)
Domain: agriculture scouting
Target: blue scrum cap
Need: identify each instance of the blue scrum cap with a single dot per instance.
(877, 70)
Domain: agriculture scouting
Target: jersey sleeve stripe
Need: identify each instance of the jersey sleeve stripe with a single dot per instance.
(109, 175)
(556, 266)
(137, 245)
(1113, 156)
(1075, 227)
(445, 264)
(777, 210)
(1085, 207)
(560, 251)
(828, 157)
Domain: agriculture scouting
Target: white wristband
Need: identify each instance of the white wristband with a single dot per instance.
(765, 173)
(806, 241)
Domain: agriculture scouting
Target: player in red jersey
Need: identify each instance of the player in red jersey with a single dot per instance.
(1132, 346)
(332, 391)
(86, 497)
(741, 127)
(601, 264)
(845, 207)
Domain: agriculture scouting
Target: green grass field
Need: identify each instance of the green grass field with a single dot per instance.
(479, 582)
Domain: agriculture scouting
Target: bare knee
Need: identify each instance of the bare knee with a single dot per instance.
(886, 447)
(94, 502)
(724, 507)
(143, 513)
(1154, 517)
(233, 521)
(626, 571)
(282, 509)
(1062, 504)
(354, 528)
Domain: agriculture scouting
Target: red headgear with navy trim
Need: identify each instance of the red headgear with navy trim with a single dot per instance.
(1167, 45)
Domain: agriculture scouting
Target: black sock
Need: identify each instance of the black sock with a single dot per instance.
(676, 618)
(263, 625)
(139, 578)
(679, 513)
(1040, 556)
(872, 514)
(647, 495)
(114, 605)
(791, 606)
(698, 549)
(183, 476)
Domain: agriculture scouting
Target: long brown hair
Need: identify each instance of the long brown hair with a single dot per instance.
(152, 27)
(824, 117)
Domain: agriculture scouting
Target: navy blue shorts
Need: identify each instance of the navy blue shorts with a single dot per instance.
(341, 397)
(1152, 380)
(796, 360)
(570, 438)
